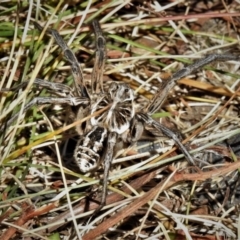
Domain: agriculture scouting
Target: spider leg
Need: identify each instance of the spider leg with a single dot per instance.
(69, 55)
(107, 160)
(163, 91)
(65, 93)
(72, 101)
(100, 56)
(58, 88)
(167, 132)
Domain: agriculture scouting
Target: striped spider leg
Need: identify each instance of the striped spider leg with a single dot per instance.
(64, 93)
(80, 89)
(67, 95)
(144, 117)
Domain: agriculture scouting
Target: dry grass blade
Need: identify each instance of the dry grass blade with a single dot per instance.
(112, 198)
(160, 187)
(28, 213)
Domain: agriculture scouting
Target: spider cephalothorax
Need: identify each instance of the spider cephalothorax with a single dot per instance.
(117, 118)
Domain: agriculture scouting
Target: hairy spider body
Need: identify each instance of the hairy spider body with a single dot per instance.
(117, 120)
(98, 136)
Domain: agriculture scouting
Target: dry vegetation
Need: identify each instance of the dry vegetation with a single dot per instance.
(153, 192)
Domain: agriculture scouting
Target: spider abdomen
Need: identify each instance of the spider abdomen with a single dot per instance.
(89, 149)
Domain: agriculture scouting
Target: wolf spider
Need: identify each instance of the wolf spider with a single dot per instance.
(98, 136)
